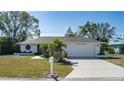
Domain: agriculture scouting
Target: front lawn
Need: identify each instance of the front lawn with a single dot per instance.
(25, 67)
(116, 59)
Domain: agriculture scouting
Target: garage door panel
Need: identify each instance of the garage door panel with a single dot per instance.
(80, 50)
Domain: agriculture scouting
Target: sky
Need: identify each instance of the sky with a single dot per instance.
(56, 23)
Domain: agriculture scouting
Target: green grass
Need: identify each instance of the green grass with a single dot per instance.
(25, 67)
(116, 59)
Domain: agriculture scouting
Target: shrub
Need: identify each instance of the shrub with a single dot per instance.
(101, 53)
(44, 49)
(16, 48)
(24, 51)
(106, 48)
(30, 51)
(111, 50)
(6, 46)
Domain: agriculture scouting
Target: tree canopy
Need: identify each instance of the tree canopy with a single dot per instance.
(18, 25)
(98, 31)
(88, 30)
(104, 32)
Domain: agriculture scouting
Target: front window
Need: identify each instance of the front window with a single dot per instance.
(28, 47)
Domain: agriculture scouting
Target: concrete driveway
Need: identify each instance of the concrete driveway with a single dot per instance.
(94, 69)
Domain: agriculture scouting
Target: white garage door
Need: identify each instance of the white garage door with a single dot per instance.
(85, 50)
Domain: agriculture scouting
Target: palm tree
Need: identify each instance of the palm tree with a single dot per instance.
(57, 49)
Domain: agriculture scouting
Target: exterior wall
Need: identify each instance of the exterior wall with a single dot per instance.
(86, 49)
(97, 48)
(33, 48)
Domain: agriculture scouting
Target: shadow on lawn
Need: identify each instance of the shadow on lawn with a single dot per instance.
(111, 58)
(70, 63)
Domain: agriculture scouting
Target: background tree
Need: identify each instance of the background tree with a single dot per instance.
(88, 30)
(119, 36)
(104, 32)
(98, 31)
(18, 26)
(70, 33)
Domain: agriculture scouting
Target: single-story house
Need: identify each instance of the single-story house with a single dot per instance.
(117, 45)
(76, 46)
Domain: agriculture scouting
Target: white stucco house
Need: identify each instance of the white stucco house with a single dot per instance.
(76, 46)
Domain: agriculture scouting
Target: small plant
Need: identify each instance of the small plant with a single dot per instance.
(44, 49)
(111, 50)
(101, 53)
(105, 48)
(24, 51)
(30, 51)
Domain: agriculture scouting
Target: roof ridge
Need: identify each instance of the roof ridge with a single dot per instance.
(65, 39)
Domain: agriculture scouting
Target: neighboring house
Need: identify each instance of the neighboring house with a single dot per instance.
(76, 46)
(117, 45)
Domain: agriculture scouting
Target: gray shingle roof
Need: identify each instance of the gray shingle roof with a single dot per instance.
(49, 39)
